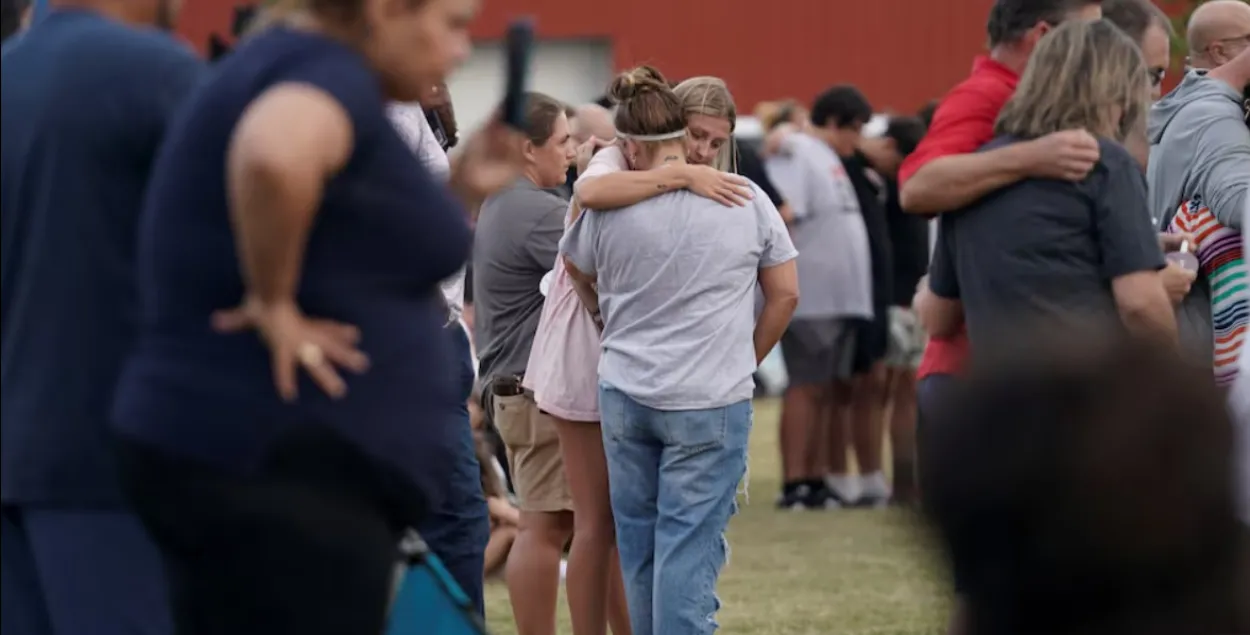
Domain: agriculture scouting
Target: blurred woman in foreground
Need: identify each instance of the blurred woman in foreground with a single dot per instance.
(284, 190)
(563, 367)
(1094, 512)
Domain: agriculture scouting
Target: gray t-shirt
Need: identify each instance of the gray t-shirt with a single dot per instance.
(677, 277)
(515, 244)
(835, 270)
(1045, 250)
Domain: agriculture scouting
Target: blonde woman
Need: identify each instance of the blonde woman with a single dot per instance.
(562, 371)
(1053, 252)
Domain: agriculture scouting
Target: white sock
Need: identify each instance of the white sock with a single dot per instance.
(846, 486)
(874, 485)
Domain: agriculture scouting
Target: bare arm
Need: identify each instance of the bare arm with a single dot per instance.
(622, 189)
(940, 317)
(287, 144)
(955, 181)
(1129, 248)
(584, 287)
(578, 249)
(780, 285)
(503, 510)
(1144, 306)
(787, 213)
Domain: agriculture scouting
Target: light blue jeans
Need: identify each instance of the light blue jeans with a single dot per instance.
(674, 479)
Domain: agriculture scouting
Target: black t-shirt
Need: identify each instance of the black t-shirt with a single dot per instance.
(870, 194)
(1047, 249)
(751, 166)
(909, 240)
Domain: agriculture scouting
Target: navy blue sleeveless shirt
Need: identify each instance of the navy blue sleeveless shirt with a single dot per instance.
(384, 236)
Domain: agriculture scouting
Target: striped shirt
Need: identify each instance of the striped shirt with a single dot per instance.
(1220, 254)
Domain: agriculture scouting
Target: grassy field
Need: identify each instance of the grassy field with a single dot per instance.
(851, 572)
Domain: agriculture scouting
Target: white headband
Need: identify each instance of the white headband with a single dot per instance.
(653, 137)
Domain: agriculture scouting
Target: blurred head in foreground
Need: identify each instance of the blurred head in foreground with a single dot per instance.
(1086, 487)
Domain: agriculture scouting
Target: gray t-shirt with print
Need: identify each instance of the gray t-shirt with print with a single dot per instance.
(835, 271)
(677, 277)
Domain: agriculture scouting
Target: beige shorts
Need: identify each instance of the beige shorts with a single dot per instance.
(533, 454)
(907, 339)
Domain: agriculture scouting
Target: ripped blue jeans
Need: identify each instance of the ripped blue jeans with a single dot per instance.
(674, 479)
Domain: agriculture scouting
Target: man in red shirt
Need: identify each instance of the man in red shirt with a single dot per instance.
(946, 172)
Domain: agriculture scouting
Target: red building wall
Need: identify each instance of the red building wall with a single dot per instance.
(900, 52)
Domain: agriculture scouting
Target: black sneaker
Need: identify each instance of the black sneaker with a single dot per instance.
(794, 497)
(824, 498)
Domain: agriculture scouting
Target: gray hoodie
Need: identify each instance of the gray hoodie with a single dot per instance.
(1199, 146)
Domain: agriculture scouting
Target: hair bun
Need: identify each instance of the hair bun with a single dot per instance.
(635, 82)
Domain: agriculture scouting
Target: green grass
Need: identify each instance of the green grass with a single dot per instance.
(851, 572)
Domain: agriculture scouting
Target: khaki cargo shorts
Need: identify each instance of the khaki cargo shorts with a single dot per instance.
(533, 453)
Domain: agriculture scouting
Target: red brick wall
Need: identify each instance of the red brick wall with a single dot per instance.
(900, 52)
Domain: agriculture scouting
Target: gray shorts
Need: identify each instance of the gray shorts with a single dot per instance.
(819, 351)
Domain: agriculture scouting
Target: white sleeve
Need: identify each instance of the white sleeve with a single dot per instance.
(605, 161)
(409, 120)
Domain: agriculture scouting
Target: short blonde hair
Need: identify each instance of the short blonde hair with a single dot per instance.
(1086, 75)
(710, 96)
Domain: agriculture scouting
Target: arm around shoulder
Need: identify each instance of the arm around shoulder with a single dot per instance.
(954, 181)
(615, 190)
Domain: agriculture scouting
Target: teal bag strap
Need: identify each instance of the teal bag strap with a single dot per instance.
(427, 600)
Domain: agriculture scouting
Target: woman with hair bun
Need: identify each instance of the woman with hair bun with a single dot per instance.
(708, 110)
(677, 275)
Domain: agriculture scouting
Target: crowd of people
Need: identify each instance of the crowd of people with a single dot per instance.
(261, 323)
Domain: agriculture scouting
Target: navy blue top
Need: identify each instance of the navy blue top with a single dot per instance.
(85, 102)
(384, 236)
